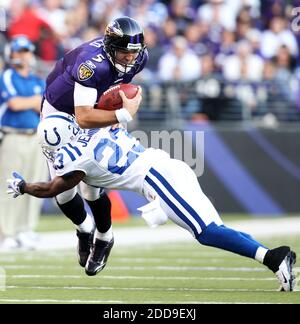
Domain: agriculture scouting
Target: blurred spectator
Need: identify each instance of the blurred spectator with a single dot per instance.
(21, 96)
(254, 37)
(182, 14)
(244, 24)
(210, 103)
(196, 36)
(209, 26)
(252, 5)
(217, 12)
(24, 20)
(226, 48)
(269, 72)
(155, 52)
(169, 31)
(244, 65)
(149, 12)
(270, 9)
(208, 67)
(285, 64)
(103, 11)
(179, 63)
(51, 12)
(278, 35)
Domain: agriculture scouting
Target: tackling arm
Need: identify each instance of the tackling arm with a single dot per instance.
(54, 187)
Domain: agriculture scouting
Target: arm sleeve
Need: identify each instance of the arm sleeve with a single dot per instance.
(66, 163)
(84, 96)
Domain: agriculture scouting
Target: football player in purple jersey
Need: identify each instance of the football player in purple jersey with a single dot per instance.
(73, 87)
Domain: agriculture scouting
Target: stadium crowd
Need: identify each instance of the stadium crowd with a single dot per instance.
(236, 41)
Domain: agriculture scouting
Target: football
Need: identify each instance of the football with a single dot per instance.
(111, 99)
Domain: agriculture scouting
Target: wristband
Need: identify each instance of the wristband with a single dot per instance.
(123, 115)
(22, 187)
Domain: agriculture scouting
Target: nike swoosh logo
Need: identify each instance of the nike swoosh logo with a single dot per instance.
(285, 280)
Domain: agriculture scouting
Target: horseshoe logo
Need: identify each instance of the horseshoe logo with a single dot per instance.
(57, 135)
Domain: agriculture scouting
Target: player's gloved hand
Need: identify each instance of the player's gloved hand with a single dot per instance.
(16, 185)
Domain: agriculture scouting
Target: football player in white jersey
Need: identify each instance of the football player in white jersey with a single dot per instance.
(113, 159)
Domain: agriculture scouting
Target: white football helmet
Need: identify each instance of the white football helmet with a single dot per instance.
(55, 131)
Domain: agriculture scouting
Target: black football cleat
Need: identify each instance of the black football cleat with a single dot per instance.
(281, 261)
(84, 246)
(98, 257)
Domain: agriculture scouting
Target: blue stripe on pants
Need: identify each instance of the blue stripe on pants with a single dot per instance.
(177, 211)
(181, 201)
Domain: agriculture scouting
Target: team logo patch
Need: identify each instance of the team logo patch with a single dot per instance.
(84, 72)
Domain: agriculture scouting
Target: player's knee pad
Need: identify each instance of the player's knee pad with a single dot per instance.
(66, 196)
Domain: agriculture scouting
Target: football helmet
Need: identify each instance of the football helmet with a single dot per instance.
(55, 131)
(126, 35)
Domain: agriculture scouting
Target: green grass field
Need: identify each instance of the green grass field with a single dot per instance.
(161, 273)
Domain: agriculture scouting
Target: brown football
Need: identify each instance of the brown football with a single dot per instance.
(111, 99)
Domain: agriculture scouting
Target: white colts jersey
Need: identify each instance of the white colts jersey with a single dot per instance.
(111, 159)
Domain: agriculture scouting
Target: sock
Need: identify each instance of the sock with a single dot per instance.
(87, 225)
(107, 236)
(249, 237)
(229, 240)
(74, 210)
(260, 254)
(101, 209)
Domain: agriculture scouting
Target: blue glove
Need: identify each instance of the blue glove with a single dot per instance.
(16, 185)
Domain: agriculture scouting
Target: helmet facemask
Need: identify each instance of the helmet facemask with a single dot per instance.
(121, 66)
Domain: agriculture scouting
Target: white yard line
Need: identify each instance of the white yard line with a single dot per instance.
(144, 236)
(72, 301)
(76, 301)
(173, 233)
(140, 278)
(139, 289)
(143, 268)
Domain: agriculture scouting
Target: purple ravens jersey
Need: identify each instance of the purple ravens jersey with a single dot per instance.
(88, 65)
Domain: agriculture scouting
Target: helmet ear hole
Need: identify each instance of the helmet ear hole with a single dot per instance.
(55, 131)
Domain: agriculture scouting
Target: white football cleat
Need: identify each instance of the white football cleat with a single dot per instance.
(9, 244)
(285, 273)
(281, 261)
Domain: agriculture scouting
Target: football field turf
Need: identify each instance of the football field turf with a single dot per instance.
(166, 273)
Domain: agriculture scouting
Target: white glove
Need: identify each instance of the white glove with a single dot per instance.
(16, 185)
(153, 214)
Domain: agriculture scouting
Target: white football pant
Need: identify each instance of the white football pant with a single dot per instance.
(180, 195)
